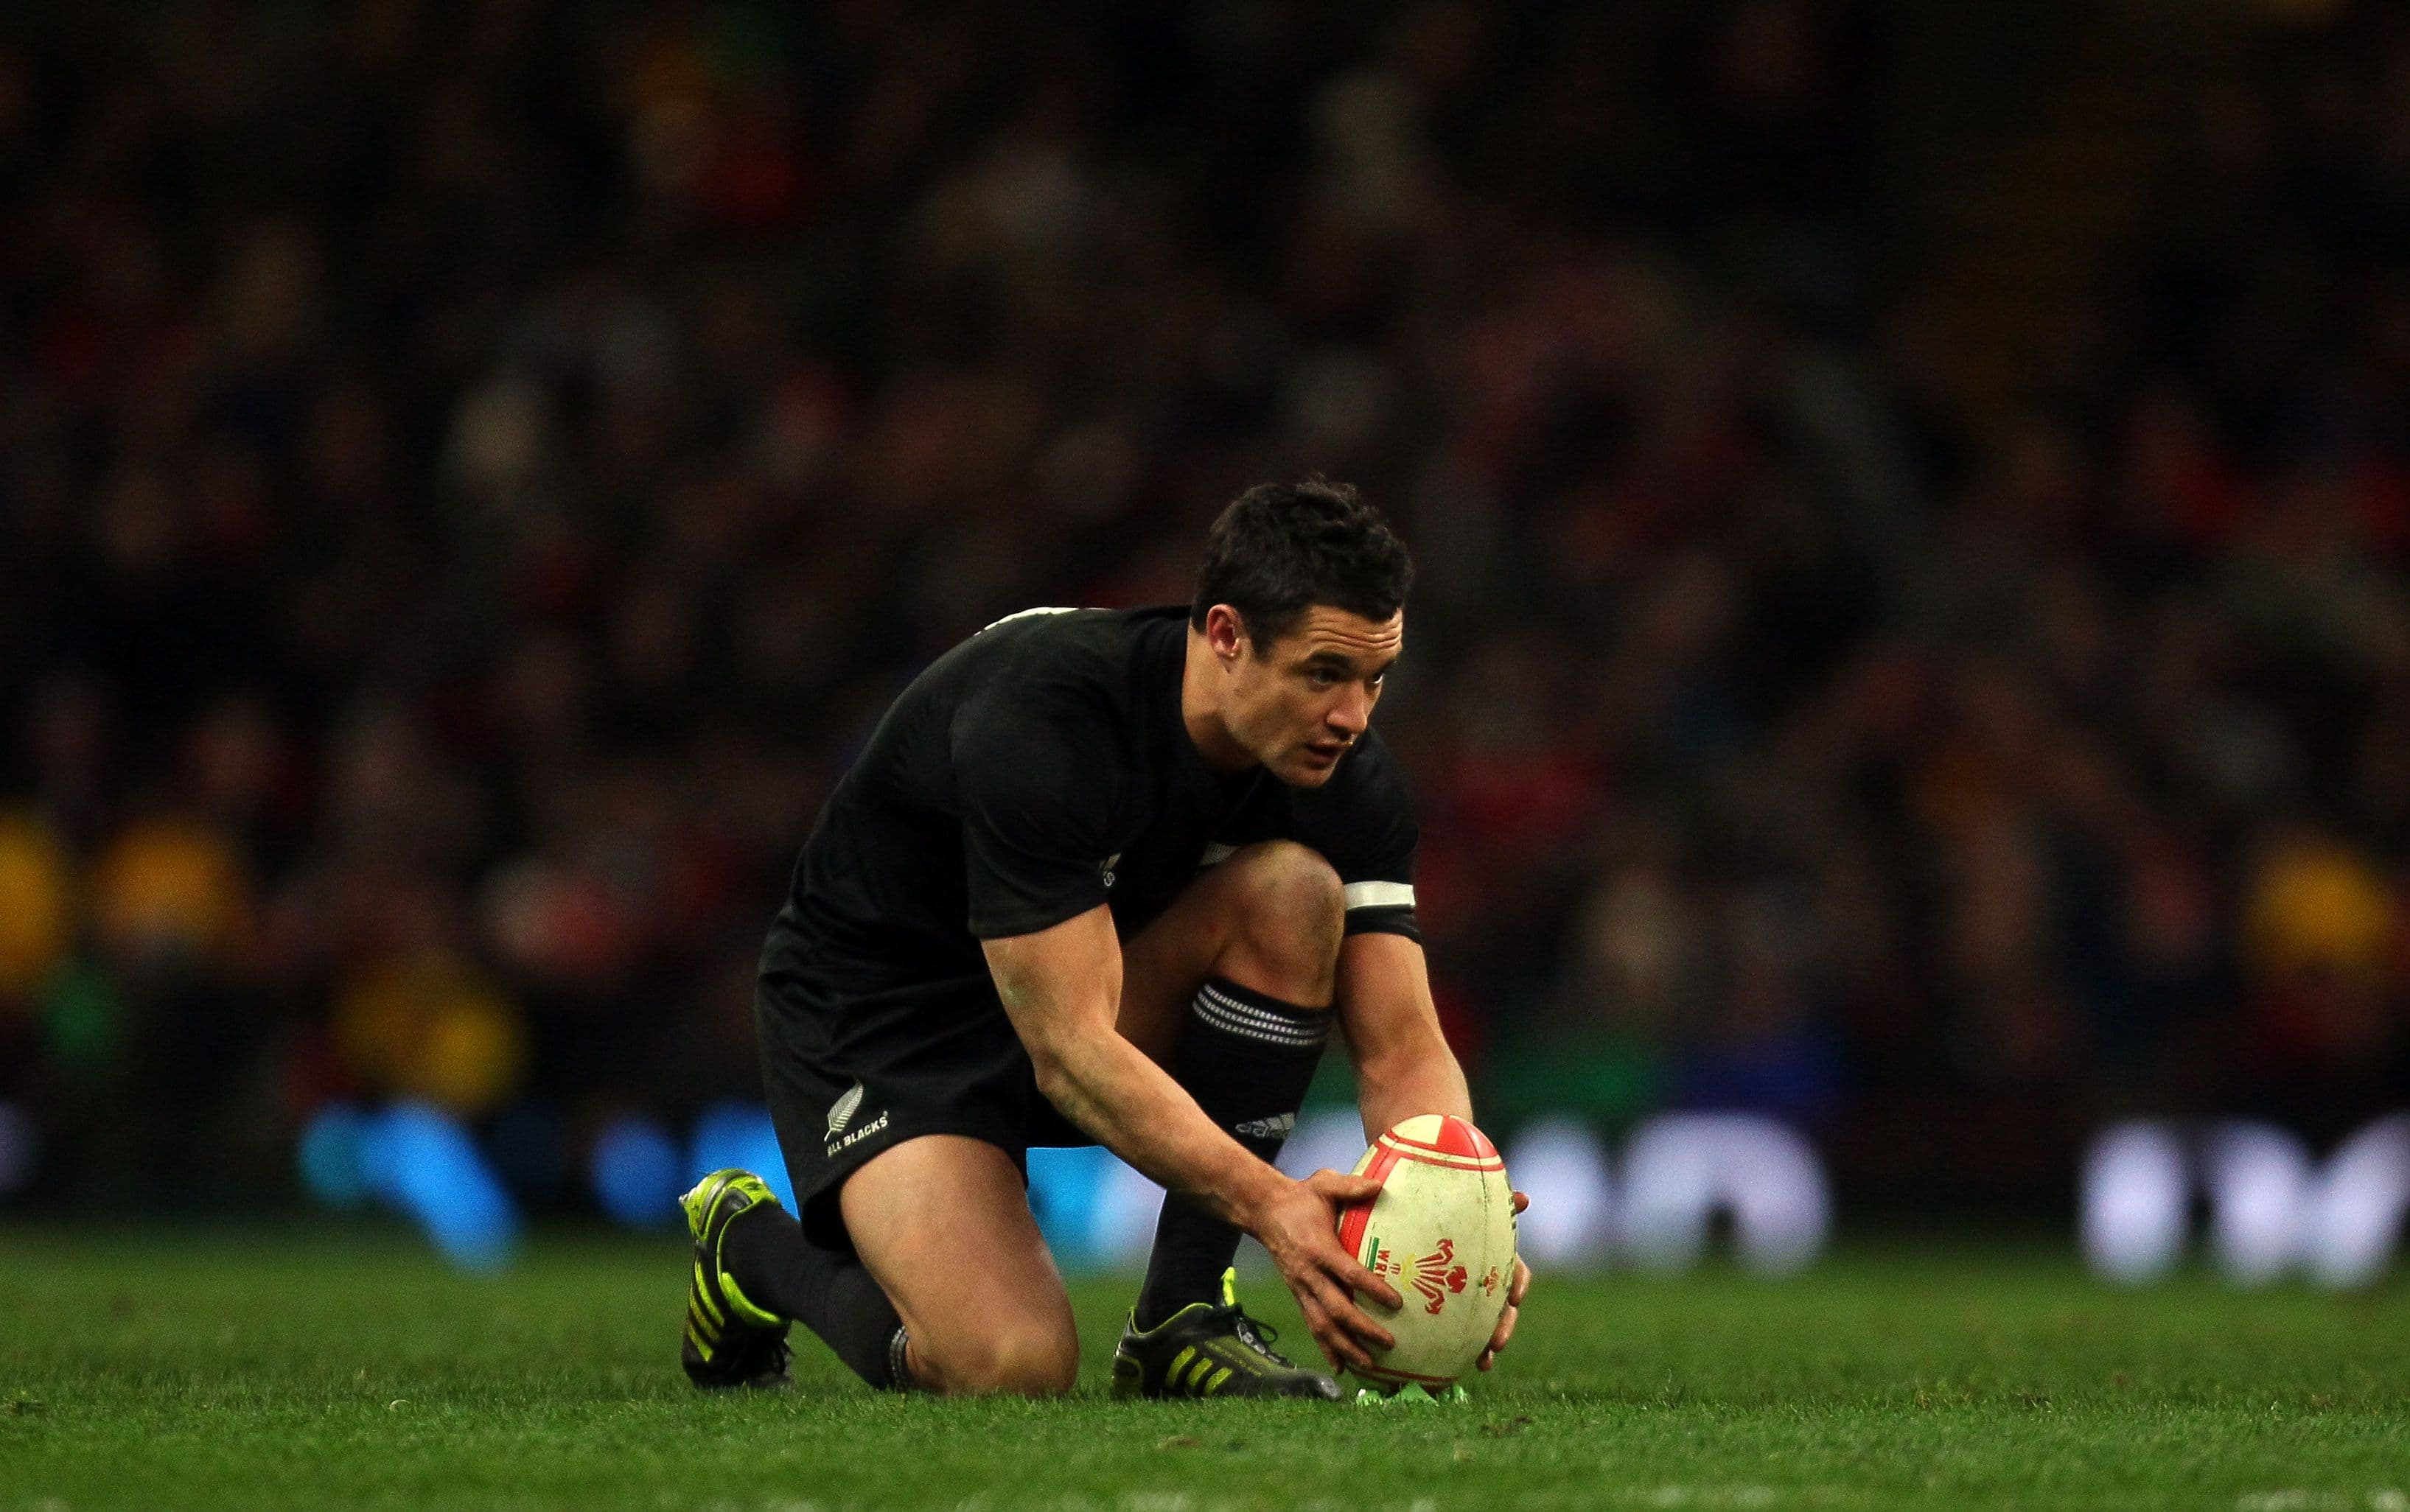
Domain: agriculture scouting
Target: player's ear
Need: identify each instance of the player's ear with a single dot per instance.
(1226, 631)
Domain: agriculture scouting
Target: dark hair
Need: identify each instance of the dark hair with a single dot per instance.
(1283, 547)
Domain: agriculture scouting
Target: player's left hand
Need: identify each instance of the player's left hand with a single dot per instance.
(1515, 1290)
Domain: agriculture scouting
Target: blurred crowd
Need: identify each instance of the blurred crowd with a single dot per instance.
(471, 474)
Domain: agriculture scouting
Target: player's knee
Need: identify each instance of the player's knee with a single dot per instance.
(1030, 1360)
(1292, 907)
(1043, 1364)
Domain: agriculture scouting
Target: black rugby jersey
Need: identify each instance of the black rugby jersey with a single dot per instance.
(1033, 772)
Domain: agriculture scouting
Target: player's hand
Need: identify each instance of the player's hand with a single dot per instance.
(1515, 1290)
(1301, 1229)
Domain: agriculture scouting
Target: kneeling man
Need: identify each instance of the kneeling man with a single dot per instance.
(1099, 876)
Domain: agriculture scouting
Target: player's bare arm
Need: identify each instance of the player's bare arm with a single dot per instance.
(1061, 987)
(1403, 1065)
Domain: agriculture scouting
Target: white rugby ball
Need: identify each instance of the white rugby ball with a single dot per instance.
(1443, 1232)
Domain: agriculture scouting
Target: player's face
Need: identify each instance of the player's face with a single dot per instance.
(1300, 703)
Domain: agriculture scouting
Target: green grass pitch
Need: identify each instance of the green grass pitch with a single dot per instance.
(350, 1371)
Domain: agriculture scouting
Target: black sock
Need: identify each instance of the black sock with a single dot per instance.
(1247, 1060)
(828, 1291)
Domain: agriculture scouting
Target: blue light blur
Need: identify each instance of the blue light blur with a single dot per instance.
(1064, 1188)
(330, 1159)
(421, 1161)
(739, 1134)
(635, 1168)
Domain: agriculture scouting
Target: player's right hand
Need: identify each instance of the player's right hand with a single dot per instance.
(1301, 1229)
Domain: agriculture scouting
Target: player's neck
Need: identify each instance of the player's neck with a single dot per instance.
(1200, 710)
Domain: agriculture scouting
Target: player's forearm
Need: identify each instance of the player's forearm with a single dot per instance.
(1128, 1103)
(1403, 1065)
(1061, 988)
(1406, 1081)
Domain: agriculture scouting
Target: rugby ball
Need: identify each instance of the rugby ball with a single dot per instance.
(1441, 1231)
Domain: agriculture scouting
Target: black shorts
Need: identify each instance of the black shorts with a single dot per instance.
(848, 1082)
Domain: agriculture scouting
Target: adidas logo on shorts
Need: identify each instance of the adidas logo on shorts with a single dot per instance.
(1277, 1128)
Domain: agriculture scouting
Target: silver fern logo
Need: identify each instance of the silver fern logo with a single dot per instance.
(842, 1112)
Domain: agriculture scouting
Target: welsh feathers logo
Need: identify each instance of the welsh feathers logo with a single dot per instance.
(842, 1111)
(1437, 1277)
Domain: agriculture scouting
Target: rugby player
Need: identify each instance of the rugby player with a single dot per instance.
(1099, 876)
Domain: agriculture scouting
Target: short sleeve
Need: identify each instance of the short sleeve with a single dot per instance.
(1363, 824)
(1037, 778)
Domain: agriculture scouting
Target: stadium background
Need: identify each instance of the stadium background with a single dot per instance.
(1911, 501)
